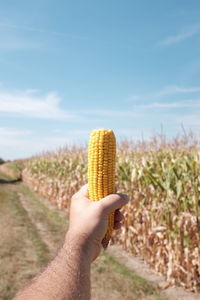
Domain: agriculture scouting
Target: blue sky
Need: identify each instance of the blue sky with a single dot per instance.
(67, 67)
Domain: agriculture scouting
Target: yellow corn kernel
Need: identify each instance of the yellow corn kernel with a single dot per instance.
(101, 170)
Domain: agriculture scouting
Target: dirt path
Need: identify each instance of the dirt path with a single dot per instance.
(41, 227)
(143, 270)
(31, 234)
(22, 252)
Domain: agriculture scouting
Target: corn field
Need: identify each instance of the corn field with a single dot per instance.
(162, 223)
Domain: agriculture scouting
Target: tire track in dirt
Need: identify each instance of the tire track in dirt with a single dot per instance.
(41, 227)
(142, 269)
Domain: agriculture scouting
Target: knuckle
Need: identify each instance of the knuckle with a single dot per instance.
(74, 197)
(115, 197)
(102, 206)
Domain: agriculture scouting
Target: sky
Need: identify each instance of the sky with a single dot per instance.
(67, 67)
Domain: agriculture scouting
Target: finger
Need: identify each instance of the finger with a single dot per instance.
(117, 225)
(118, 216)
(114, 201)
(105, 242)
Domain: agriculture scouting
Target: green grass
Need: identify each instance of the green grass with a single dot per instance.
(4, 176)
(138, 282)
(16, 165)
(122, 280)
(22, 253)
(13, 168)
(49, 216)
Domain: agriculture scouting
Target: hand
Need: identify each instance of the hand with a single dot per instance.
(89, 219)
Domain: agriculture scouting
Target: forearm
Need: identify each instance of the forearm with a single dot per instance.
(66, 277)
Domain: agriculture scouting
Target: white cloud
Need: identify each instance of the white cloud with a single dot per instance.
(29, 104)
(174, 89)
(12, 137)
(39, 30)
(177, 104)
(75, 132)
(15, 37)
(13, 132)
(110, 113)
(15, 143)
(32, 104)
(15, 43)
(14, 40)
(181, 36)
(169, 90)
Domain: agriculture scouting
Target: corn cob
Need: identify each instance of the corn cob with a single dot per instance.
(101, 170)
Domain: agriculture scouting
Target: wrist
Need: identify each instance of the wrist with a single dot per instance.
(79, 244)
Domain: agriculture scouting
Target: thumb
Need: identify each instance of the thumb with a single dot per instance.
(84, 191)
(114, 201)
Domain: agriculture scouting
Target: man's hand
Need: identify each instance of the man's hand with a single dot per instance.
(89, 220)
(68, 275)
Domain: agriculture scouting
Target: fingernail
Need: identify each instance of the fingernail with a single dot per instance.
(126, 196)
